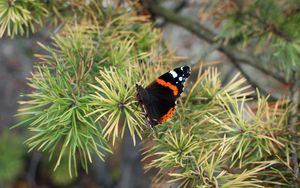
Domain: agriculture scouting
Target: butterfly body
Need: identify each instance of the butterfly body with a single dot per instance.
(158, 99)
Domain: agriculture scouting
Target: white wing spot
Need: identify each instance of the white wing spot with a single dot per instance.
(180, 78)
(174, 74)
(181, 68)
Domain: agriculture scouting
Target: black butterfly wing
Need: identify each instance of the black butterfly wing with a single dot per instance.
(159, 98)
(149, 104)
(163, 102)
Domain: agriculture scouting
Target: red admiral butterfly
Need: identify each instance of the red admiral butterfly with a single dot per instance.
(159, 98)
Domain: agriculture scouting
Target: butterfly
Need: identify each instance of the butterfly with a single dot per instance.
(158, 99)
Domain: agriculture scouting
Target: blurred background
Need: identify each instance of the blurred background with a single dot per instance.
(21, 169)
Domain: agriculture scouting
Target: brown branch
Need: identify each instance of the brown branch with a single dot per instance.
(210, 37)
(176, 9)
(293, 120)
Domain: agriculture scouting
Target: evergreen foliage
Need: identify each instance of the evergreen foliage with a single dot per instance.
(20, 17)
(84, 93)
(74, 107)
(270, 28)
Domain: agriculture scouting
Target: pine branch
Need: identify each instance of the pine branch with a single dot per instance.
(176, 9)
(74, 111)
(210, 37)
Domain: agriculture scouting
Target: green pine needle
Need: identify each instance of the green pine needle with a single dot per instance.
(115, 104)
(20, 17)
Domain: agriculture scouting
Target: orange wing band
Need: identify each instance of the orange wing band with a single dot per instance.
(167, 115)
(169, 85)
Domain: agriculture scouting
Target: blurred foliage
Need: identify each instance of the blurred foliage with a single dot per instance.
(84, 96)
(269, 28)
(12, 156)
(20, 17)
